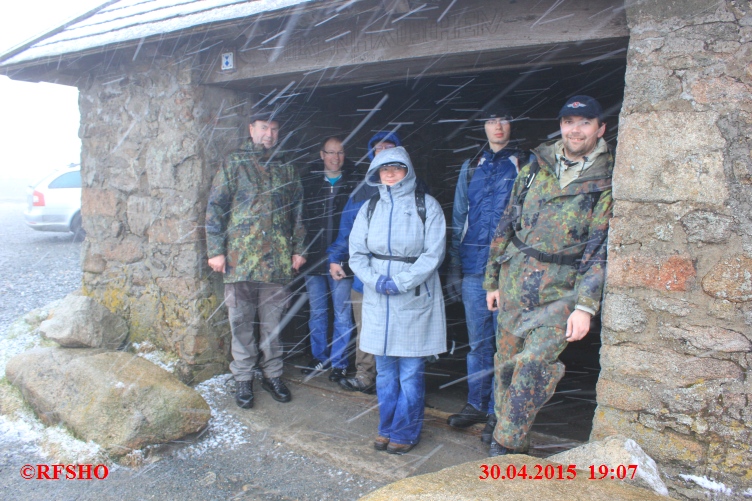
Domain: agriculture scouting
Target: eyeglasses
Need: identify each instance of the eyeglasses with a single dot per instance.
(497, 121)
(392, 168)
(332, 153)
(382, 146)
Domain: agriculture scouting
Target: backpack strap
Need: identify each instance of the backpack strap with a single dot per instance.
(470, 171)
(520, 201)
(420, 203)
(372, 206)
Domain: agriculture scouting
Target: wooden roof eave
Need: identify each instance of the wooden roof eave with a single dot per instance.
(44, 68)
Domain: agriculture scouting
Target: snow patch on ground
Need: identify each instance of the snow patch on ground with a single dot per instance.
(707, 484)
(147, 350)
(55, 442)
(20, 427)
(224, 430)
(19, 337)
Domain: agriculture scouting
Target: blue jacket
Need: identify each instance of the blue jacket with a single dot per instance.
(478, 206)
(339, 250)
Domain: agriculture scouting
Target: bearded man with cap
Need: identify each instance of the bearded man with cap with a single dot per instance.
(546, 266)
(481, 195)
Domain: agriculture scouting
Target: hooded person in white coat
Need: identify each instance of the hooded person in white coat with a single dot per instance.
(397, 255)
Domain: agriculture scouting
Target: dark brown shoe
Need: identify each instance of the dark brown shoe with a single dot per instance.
(380, 443)
(393, 448)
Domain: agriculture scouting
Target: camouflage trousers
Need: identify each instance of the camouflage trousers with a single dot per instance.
(526, 374)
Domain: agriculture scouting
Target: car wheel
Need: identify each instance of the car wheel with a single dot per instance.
(76, 228)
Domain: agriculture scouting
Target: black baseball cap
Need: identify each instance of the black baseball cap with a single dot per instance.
(265, 116)
(581, 106)
(496, 110)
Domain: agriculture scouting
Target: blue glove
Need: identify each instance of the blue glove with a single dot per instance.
(386, 286)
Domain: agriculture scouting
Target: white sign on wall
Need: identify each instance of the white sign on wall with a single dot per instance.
(227, 61)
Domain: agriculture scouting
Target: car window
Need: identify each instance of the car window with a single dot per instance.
(67, 180)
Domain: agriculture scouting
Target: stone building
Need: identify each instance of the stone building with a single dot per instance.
(165, 87)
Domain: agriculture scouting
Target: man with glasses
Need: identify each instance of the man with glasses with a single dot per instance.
(482, 193)
(326, 190)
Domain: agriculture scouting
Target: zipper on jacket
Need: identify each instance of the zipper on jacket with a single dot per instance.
(389, 265)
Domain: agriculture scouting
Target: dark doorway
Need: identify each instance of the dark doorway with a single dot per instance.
(436, 118)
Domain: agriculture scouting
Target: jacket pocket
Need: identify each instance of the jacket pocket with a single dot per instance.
(410, 301)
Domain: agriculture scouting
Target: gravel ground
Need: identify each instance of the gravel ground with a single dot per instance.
(38, 268)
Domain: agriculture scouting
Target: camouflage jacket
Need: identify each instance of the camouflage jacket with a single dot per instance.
(565, 221)
(255, 216)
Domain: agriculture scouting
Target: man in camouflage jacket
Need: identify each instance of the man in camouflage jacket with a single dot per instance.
(546, 269)
(255, 237)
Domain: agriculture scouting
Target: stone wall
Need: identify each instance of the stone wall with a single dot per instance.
(677, 321)
(152, 140)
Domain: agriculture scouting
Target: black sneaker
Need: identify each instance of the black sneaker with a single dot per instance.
(337, 374)
(468, 416)
(355, 384)
(487, 434)
(315, 365)
(498, 450)
(276, 389)
(244, 393)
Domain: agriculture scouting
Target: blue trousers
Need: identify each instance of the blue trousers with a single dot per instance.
(401, 390)
(320, 288)
(481, 332)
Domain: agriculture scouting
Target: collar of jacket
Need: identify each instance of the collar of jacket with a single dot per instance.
(316, 170)
(602, 168)
(493, 156)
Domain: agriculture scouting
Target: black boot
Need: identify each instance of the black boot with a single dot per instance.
(277, 389)
(244, 393)
(499, 450)
(337, 374)
(468, 416)
(487, 434)
(355, 384)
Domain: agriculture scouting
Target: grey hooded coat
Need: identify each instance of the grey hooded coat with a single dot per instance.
(412, 323)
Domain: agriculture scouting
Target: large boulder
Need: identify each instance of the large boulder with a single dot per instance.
(463, 482)
(81, 322)
(612, 452)
(119, 400)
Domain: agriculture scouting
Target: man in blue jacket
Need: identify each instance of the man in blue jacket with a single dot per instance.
(365, 364)
(483, 188)
(326, 191)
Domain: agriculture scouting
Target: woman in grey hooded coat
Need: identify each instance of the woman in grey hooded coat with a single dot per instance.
(397, 255)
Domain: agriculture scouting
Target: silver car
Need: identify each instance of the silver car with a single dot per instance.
(54, 203)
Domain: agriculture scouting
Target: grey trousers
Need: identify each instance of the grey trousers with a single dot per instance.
(243, 300)
(365, 363)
